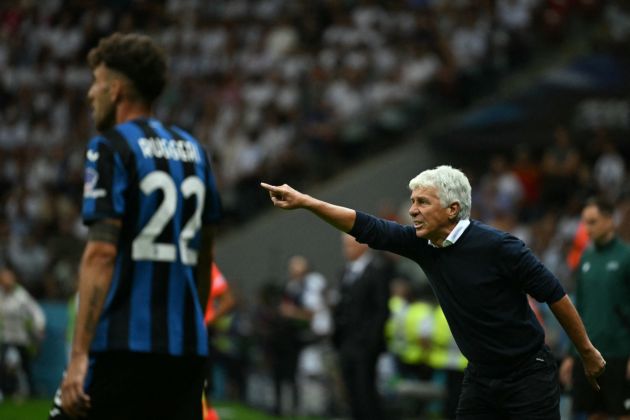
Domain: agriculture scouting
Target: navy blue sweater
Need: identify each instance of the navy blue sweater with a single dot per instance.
(481, 283)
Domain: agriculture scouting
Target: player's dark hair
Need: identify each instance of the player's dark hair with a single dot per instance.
(137, 57)
(605, 207)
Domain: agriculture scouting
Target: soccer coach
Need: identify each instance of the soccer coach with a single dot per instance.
(480, 276)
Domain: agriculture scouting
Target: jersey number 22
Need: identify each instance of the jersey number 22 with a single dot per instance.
(145, 246)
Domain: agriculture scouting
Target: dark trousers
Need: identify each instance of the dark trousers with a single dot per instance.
(138, 386)
(284, 368)
(454, 379)
(9, 377)
(530, 392)
(614, 394)
(358, 369)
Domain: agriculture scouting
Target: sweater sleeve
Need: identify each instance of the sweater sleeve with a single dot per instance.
(527, 272)
(384, 234)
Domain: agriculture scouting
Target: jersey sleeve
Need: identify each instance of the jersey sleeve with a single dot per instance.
(105, 182)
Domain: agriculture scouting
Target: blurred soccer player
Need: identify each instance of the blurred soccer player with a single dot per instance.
(480, 276)
(150, 201)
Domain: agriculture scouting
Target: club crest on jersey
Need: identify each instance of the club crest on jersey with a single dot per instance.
(92, 155)
(89, 186)
(612, 266)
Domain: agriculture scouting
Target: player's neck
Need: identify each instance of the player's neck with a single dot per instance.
(128, 110)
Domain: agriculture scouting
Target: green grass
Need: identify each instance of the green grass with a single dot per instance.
(38, 409)
(26, 410)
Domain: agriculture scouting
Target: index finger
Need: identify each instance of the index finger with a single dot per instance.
(593, 383)
(269, 187)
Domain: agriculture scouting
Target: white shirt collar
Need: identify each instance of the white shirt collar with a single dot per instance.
(357, 266)
(452, 237)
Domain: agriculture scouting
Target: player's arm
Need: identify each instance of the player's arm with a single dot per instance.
(37, 319)
(565, 374)
(568, 317)
(287, 198)
(293, 311)
(204, 265)
(95, 276)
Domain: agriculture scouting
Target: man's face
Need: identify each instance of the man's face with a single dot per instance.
(298, 267)
(352, 250)
(600, 227)
(430, 219)
(7, 280)
(101, 99)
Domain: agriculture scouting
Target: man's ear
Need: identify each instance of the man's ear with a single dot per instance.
(116, 90)
(453, 210)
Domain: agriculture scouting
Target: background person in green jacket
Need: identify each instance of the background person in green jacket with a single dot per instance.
(603, 302)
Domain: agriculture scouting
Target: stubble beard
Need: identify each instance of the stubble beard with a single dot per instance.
(107, 121)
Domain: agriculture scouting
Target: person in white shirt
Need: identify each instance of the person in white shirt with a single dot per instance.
(22, 324)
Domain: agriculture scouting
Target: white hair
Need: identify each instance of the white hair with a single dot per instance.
(451, 184)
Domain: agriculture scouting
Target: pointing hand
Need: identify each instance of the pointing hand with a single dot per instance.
(284, 196)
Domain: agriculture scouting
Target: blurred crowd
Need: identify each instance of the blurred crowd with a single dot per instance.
(538, 194)
(276, 89)
(292, 91)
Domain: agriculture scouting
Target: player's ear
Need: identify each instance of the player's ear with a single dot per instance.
(116, 89)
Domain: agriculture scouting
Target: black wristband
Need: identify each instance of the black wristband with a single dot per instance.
(103, 231)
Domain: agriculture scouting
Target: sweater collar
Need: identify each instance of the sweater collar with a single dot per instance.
(452, 237)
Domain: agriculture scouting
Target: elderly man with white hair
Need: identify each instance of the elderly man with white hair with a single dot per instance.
(481, 277)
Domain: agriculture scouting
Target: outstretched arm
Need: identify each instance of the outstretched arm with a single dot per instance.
(594, 363)
(287, 198)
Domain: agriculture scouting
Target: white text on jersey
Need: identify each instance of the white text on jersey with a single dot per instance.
(157, 147)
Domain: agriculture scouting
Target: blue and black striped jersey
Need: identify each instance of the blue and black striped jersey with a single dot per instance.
(158, 181)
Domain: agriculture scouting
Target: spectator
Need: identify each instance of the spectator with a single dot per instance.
(408, 332)
(359, 315)
(22, 324)
(220, 302)
(560, 165)
(501, 189)
(514, 20)
(299, 317)
(527, 169)
(447, 361)
(311, 289)
(609, 171)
